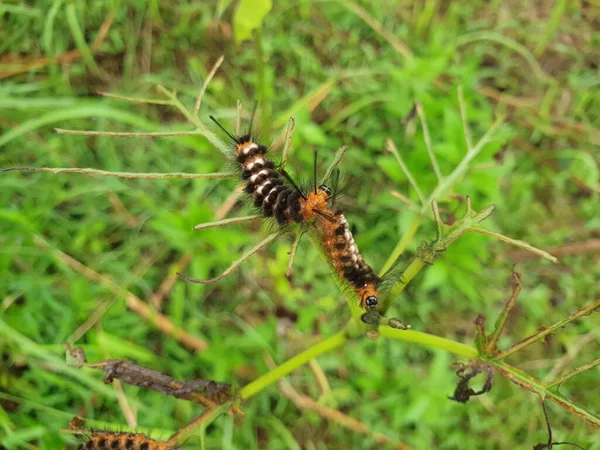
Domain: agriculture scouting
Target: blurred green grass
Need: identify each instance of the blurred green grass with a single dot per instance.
(345, 84)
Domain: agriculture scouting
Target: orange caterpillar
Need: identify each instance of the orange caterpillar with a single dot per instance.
(338, 243)
(108, 440)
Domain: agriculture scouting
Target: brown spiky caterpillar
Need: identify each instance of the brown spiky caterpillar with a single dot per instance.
(108, 440)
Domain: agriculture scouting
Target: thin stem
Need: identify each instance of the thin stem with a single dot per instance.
(546, 331)
(272, 376)
(401, 245)
(224, 222)
(288, 142)
(492, 343)
(462, 167)
(128, 134)
(103, 173)
(135, 99)
(429, 340)
(201, 421)
(209, 135)
(205, 85)
(411, 271)
(534, 385)
(572, 373)
(464, 118)
(337, 158)
(392, 148)
(295, 245)
(427, 137)
(238, 119)
(238, 262)
(518, 243)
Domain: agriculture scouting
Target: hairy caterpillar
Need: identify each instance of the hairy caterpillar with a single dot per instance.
(107, 440)
(287, 203)
(338, 242)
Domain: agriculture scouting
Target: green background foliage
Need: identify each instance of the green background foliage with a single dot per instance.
(346, 83)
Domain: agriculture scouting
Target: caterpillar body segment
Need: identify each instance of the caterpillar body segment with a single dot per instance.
(338, 243)
(265, 184)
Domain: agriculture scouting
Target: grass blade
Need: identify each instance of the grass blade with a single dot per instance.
(266, 241)
(339, 154)
(224, 222)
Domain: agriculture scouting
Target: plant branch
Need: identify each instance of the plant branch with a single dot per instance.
(409, 273)
(130, 175)
(205, 85)
(534, 385)
(401, 245)
(429, 340)
(394, 151)
(492, 341)
(199, 124)
(427, 137)
(462, 167)
(129, 134)
(572, 373)
(552, 328)
(297, 361)
(289, 132)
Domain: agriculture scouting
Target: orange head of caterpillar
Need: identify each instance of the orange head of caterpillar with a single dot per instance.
(369, 296)
(315, 202)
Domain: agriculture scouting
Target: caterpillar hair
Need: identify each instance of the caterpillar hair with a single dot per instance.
(106, 440)
(338, 243)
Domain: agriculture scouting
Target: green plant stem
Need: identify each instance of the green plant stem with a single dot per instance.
(492, 341)
(401, 246)
(199, 124)
(429, 340)
(104, 173)
(272, 376)
(462, 167)
(572, 373)
(411, 271)
(534, 385)
(546, 331)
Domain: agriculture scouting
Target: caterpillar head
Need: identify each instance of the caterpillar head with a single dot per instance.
(369, 296)
(371, 301)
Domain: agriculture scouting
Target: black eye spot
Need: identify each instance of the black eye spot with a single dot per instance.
(325, 189)
(371, 301)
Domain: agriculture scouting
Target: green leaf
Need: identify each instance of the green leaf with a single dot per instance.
(248, 16)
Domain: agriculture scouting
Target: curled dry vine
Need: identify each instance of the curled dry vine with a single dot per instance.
(484, 357)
